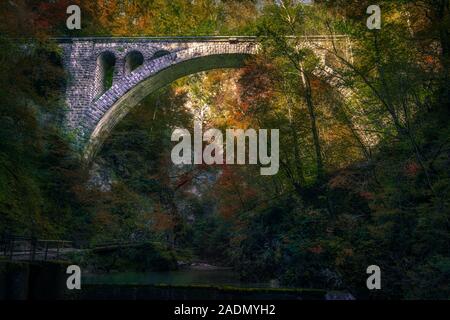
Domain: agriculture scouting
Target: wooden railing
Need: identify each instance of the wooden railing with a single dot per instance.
(14, 247)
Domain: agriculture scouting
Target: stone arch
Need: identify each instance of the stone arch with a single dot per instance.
(133, 60)
(93, 110)
(104, 113)
(104, 72)
(101, 115)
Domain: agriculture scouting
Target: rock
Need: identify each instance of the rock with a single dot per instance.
(338, 295)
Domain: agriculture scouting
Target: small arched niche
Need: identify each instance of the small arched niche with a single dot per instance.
(160, 53)
(104, 73)
(133, 60)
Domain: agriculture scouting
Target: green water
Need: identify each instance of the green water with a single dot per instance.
(178, 277)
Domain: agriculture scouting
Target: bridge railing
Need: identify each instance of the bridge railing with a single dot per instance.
(14, 247)
(88, 245)
(316, 37)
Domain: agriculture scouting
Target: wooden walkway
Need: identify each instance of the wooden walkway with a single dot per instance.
(22, 248)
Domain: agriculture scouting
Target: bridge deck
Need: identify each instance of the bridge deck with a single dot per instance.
(188, 38)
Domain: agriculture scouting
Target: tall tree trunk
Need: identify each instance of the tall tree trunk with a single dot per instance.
(300, 178)
(312, 116)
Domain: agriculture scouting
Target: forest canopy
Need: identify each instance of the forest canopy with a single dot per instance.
(363, 176)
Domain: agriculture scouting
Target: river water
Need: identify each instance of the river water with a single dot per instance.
(178, 277)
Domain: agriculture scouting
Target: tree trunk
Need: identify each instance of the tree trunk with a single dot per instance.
(300, 178)
(314, 129)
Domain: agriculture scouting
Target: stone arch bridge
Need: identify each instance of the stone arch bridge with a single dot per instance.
(109, 76)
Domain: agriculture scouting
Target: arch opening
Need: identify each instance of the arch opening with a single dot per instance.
(160, 53)
(133, 60)
(152, 83)
(104, 73)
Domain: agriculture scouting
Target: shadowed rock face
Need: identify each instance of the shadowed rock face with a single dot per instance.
(109, 76)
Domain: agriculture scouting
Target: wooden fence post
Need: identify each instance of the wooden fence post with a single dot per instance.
(57, 250)
(33, 248)
(46, 251)
(4, 243)
(11, 248)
